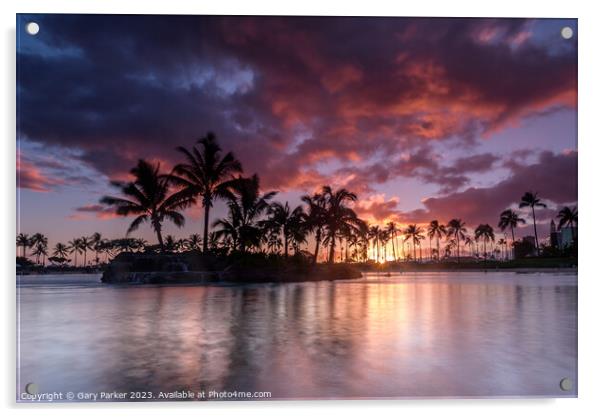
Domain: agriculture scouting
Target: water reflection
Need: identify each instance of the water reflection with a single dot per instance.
(452, 334)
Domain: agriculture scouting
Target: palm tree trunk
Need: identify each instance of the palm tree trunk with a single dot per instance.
(535, 229)
(160, 238)
(318, 239)
(85, 256)
(438, 252)
(457, 248)
(331, 251)
(512, 232)
(206, 228)
(285, 244)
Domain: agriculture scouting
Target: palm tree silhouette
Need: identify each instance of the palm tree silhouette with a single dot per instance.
(374, 234)
(283, 219)
(61, 250)
(339, 217)
(75, 247)
(24, 242)
(194, 241)
(436, 230)
(414, 232)
(568, 216)
(510, 218)
(96, 245)
(457, 229)
(246, 204)
(316, 218)
(484, 232)
(392, 230)
(530, 199)
(85, 244)
(205, 174)
(39, 242)
(149, 199)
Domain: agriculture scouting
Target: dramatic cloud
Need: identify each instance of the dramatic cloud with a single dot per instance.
(285, 94)
(553, 178)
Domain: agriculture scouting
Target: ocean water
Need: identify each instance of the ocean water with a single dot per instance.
(453, 334)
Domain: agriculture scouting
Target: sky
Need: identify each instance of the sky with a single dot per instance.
(424, 118)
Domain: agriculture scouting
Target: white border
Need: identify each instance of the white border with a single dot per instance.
(590, 202)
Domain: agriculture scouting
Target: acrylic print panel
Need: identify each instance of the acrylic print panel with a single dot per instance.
(264, 208)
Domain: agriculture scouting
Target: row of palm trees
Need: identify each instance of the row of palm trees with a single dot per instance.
(255, 223)
(103, 249)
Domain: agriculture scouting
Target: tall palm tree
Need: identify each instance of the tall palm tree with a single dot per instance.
(510, 219)
(392, 230)
(148, 198)
(86, 244)
(205, 174)
(284, 220)
(457, 229)
(374, 234)
(414, 232)
(436, 230)
(316, 218)
(96, 245)
(484, 232)
(568, 216)
(75, 247)
(246, 204)
(530, 199)
(23, 241)
(339, 217)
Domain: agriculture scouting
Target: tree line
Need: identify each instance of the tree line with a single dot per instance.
(256, 223)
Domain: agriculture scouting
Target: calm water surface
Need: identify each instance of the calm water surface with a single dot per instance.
(410, 335)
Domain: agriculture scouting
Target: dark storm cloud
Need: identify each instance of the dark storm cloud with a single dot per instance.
(285, 93)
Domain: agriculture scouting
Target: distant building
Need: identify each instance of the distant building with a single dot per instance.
(554, 235)
(530, 239)
(566, 237)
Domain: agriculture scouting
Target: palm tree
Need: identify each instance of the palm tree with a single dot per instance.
(205, 174)
(339, 217)
(228, 229)
(194, 242)
(61, 250)
(485, 233)
(149, 199)
(283, 219)
(24, 242)
(510, 218)
(246, 204)
(414, 232)
(436, 230)
(75, 247)
(40, 249)
(374, 234)
(392, 230)
(316, 218)
(85, 244)
(568, 216)
(95, 244)
(38, 241)
(469, 242)
(457, 229)
(504, 245)
(530, 199)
